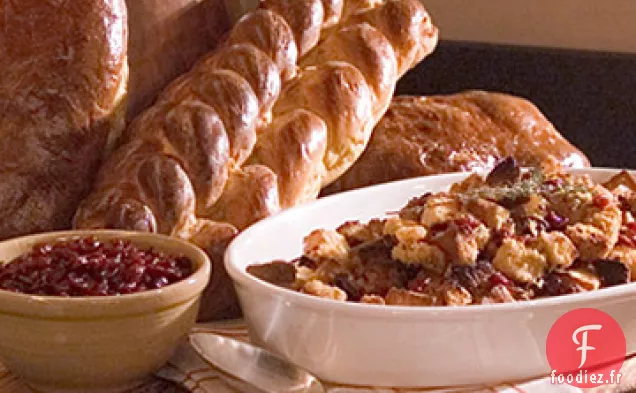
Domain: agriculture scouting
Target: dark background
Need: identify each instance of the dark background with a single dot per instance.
(589, 96)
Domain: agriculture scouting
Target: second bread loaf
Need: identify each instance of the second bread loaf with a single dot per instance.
(468, 131)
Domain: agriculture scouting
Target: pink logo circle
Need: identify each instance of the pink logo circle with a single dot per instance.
(586, 348)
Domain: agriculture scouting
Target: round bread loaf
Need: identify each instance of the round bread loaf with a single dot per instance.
(62, 89)
(468, 131)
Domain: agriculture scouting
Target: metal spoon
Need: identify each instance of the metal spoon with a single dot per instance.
(257, 367)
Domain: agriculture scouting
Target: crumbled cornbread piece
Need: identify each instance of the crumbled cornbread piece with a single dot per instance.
(320, 289)
(372, 299)
(519, 262)
(429, 256)
(586, 279)
(627, 255)
(492, 214)
(535, 207)
(403, 297)
(323, 243)
(412, 234)
(458, 296)
(609, 221)
(303, 275)
(591, 242)
(501, 294)
(471, 182)
(462, 242)
(558, 249)
(393, 224)
(439, 209)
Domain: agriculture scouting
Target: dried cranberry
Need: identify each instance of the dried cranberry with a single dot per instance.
(612, 272)
(496, 240)
(624, 204)
(499, 279)
(531, 226)
(466, 225)
(627, 235)
(600, 201)
(626, 240)
(419, 283)
(555, 221)
(88, 267)
(413, 209)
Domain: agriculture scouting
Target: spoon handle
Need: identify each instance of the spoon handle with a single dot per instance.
(259, 368)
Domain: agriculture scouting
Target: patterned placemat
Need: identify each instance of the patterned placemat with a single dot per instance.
(186, 372)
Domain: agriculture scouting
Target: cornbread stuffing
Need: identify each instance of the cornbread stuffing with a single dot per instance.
(513, 235)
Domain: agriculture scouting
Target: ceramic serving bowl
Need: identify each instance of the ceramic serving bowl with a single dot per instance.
(363, 344)
(97, 344)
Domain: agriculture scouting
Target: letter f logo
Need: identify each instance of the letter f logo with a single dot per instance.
(583, 343)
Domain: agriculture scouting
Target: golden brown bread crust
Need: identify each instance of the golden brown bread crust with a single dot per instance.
(305, 135)
(468, 131)
(64, 76)
(403, 23)
(269, 33)
(366, 43)
(255, 66)
(306, 20)
(249, 196)
(289, 129)
(337, 93)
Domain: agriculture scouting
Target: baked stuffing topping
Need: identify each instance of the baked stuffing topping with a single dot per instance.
(510, 236)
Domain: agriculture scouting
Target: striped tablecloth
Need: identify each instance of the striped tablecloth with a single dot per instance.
(189, 373)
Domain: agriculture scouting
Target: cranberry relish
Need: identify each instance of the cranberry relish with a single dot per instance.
(89, 267)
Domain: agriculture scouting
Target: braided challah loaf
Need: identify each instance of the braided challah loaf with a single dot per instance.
(281, 110)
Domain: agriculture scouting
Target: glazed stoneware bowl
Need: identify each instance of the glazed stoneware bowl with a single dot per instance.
(375, 345)
(97, 344)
